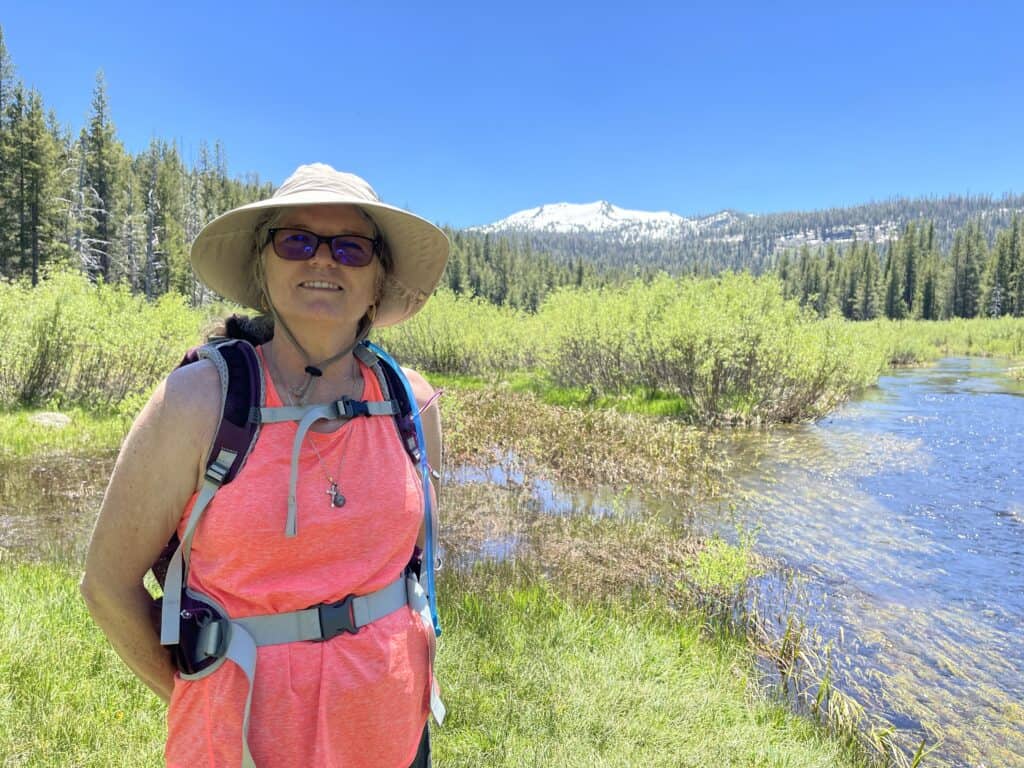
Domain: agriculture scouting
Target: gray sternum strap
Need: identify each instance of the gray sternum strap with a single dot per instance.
(339, 410)
(323, 622)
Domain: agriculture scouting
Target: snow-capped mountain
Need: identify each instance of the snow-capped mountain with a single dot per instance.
(603, 218)
(604, 233)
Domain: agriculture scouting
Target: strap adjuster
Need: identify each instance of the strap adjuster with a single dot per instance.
(353, 408)
(336, 618)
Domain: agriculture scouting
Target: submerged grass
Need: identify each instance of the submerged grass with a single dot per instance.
(601, 448)
(605, 682)
(530, 678)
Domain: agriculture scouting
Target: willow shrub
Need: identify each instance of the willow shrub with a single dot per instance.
(69, 342)
(732, 346)
(464, 335)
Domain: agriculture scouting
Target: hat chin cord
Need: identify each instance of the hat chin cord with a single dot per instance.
(316, 370)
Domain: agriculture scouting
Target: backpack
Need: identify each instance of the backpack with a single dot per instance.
(197, 630)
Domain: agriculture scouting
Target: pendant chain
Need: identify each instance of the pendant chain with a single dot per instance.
(334, 494)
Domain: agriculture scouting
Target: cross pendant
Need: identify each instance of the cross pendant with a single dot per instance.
(336, 496)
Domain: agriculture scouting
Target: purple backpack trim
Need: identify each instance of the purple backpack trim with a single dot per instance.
(242, 391)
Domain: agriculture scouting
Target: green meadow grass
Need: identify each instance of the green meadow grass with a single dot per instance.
(87, 434)
(530, 679)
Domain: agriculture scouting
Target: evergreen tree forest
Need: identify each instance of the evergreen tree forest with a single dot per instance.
(81, 201)
(911, 277)
(506, 272)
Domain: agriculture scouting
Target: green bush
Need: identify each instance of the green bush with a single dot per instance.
(732, 346)
(724, 350)
(68, 342)
(461, 335)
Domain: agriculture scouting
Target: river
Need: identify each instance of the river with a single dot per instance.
(900, 523)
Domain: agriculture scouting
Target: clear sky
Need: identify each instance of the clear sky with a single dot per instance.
(468, 112)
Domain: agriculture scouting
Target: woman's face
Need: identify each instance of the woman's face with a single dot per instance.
(320, 289)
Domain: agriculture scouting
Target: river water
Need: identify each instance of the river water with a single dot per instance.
(900, 522)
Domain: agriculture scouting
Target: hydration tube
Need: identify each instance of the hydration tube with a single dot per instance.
(428, 552)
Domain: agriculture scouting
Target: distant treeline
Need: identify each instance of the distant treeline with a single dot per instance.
(912, 277)
(82, 201)
(732, 240)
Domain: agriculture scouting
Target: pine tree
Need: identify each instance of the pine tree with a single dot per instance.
(14, 238)
(8, 244)
(995, 282)
(909, 258)
(82, 206)
(854, 275)
(869, 299)
(957, 290)
(927, 307)
(1015, 271)
(976, 254)
(967, 253)
(100, 152)
(167, 239)
(894, 307)
(39, 154)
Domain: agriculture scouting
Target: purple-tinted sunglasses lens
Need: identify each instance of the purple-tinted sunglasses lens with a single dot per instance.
(300, 245)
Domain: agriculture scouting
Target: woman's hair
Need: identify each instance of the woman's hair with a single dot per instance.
(259, 329)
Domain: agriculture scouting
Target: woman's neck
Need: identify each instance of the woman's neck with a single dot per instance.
(288, 367)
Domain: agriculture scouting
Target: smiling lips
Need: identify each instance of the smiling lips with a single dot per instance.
(320, 284)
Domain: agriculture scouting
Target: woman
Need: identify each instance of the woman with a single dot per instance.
(326, 260)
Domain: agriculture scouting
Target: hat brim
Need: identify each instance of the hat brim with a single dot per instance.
(223, 251)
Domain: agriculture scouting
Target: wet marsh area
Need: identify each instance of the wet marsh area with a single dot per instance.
(892, 532)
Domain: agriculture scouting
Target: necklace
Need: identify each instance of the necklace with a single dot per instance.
(333, 492)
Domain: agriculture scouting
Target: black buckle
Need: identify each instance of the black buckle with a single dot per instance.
(336, 618)
(352, 408)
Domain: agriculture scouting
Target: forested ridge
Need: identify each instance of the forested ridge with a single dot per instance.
(82, 201)
(911, 277)
(743, 241)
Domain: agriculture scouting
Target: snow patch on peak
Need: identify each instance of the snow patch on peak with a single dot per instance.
(598, 217)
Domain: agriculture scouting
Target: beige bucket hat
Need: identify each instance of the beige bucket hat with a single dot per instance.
(223, 251)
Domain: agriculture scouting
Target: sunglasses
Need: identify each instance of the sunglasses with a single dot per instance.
(301, 245)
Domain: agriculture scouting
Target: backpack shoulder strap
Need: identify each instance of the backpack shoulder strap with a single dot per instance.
(395, 385)
(242, 394)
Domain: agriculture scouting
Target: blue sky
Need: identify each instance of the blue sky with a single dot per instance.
(468, 112)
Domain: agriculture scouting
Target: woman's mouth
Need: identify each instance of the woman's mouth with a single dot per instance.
(320, 285)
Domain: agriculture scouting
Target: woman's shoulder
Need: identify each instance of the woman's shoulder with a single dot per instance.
(190, 401)
(420, 386)
(196, 385)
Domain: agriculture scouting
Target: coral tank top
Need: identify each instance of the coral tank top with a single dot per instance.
(355, 700)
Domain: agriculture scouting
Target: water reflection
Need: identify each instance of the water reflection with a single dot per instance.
(48, 506)
(902, 513)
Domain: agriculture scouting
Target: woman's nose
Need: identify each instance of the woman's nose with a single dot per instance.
(323, 253)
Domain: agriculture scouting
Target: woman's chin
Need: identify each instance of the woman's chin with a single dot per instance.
(323, 314)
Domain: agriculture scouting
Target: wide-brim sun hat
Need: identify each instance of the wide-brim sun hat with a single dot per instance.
(222, 254)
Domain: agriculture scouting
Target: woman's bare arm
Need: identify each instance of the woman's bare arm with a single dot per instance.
(157, 471)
